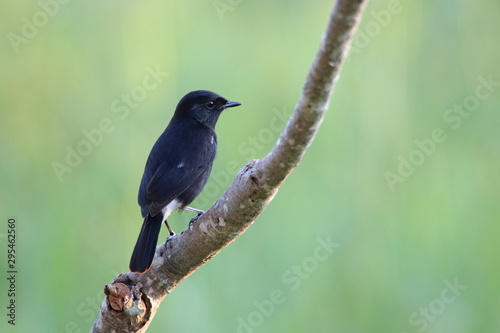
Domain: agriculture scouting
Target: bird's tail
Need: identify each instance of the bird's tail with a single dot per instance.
(145, 248)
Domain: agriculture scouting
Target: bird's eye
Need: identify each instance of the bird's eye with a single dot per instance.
(210, 104)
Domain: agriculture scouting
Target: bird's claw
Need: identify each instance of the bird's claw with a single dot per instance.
(168, 240)
(194, 219)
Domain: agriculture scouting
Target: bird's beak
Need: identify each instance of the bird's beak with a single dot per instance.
(231, 104)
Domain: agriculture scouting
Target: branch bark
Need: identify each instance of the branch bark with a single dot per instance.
(132, 299)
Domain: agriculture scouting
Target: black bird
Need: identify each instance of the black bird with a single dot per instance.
(177, 168)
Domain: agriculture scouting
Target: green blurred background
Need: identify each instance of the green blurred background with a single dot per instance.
(418, 253)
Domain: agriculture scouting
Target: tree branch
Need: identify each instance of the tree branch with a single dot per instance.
(132, 299)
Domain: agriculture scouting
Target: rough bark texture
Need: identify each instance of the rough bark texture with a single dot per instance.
(132, 299)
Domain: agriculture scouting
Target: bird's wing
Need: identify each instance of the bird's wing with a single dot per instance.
(168, 183)
(172, 169)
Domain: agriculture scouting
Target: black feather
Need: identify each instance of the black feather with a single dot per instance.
(144, 250)
(178, 166)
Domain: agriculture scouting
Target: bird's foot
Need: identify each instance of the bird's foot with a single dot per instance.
(199, 213)
(194, 210)
(194, 219)
(170, 231)
(165, 245)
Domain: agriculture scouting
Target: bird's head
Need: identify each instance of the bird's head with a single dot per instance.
(203, 106)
